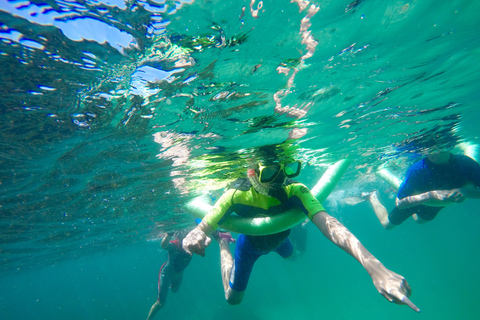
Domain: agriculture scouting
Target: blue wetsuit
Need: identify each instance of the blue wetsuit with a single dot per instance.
(425, 176)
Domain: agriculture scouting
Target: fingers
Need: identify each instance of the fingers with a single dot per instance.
(459, 198)
(456, 196)
(199, 247)
(198, 251)
(185, 248)
(208, 240)
(399, 298)
(408, 289)
(386, 296)
(409, 303)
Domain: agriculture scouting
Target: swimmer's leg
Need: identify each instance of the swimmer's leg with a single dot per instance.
(176, 282)
(163, 284)
(286, 250)
(153, 310)
(380, 210)
(425, 214)
(418, 219)
(232, 296)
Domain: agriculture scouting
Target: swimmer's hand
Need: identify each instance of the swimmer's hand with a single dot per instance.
(432, 198)
(197, 240)
(454, 195)
(392, 286)
(166, 239)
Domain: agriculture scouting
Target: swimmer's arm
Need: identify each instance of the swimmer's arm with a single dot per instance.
(438, 197)
(426, 198)
(219, 209)
(166, 240)
(198, 239)
(390, 285)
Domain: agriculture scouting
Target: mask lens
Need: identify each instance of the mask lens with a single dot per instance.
(292, 169)
(268, 174)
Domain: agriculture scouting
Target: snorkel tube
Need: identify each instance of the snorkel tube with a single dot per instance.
(256, 226)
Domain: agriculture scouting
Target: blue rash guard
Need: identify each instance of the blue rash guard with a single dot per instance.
(425, 176)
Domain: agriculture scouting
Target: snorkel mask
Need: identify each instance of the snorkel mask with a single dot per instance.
(268, 174)
(267, 178)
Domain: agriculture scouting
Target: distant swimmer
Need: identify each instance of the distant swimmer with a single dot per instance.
(171, 272)
(434, 182)
(268, 191)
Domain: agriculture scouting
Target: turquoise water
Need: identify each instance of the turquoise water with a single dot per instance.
(114, 114)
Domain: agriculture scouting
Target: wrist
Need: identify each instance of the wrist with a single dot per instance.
(374, 267)
(205, 228)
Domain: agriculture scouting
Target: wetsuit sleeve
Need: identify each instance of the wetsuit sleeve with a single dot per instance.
(219, 209)
(301, 197)
(411, 182)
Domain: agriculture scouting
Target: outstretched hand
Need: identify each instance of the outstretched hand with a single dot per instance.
(454, 195)
(195, 242)
(393, 287)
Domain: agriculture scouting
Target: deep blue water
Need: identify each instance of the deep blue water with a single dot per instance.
(113, 114)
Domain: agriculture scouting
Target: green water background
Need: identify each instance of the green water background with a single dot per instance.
(439, 259)
(85, 187)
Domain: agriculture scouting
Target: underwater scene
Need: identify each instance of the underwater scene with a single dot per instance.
(114, 114)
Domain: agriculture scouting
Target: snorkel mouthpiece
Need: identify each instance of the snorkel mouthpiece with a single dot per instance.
(258, 186)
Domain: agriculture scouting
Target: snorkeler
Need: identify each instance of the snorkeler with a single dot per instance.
(267, 191)
(434, 182)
